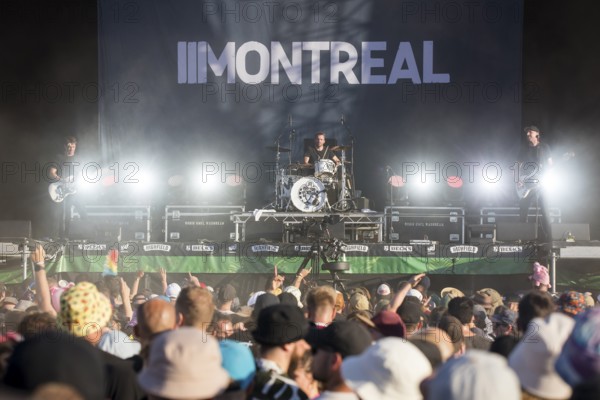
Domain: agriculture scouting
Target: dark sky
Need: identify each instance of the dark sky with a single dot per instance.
(48, 76)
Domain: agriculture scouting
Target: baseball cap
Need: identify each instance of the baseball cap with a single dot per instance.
(345, 337)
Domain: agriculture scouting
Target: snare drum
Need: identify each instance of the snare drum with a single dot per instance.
(324, 168)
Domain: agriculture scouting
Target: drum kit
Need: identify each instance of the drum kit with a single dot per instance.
(327, 189)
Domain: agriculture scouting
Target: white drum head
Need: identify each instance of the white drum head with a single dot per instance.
(308, 194)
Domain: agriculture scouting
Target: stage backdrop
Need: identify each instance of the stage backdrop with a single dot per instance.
(210, 84)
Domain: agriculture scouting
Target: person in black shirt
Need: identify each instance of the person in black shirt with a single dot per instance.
(64, 170)
(533, 160)
(320, 151)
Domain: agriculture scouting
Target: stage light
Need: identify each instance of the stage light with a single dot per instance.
(175, 181)
(87, 187)
(552, 182)
(143, 182)
(454, 193)
(424, 185)
(455, 182)
(234, 180)
(396, 191)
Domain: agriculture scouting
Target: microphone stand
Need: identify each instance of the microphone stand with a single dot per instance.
(352, 182)
(278, 177)
(292, 137)
(389, 169)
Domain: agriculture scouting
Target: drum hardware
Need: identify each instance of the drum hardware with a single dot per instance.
(344, 202)
(285, 183)
(300, 166)
(309, 194)
(278, 150)
(324, 168)
(341, 148)
(351, 146)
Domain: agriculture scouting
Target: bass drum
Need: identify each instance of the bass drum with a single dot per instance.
(309, 194)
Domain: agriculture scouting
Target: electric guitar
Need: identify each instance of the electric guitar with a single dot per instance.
(527, 176)
(58, 191)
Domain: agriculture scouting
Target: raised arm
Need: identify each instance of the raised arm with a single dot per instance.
(43, 289)
(403, 290)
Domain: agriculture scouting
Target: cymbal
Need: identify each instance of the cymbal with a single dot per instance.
(341, 148)
(275, 148)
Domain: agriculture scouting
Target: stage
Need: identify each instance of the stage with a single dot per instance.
(502, 266)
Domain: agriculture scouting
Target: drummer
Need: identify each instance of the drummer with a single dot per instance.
(320, 151)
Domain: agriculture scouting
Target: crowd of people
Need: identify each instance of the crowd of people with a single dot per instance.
(105, 340)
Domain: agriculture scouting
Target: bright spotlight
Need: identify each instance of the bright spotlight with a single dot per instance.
(455, 182)
(551, 181)
(86, 187)
(424, 185)
(204, 182)
(234, 180)
(143, 182)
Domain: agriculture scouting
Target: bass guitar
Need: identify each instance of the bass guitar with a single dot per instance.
(528, 176)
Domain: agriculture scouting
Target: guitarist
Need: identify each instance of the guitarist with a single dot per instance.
(535, 156)
(65, 170)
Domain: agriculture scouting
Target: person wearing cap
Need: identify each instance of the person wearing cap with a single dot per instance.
(383, 292)
(226, 300)
(225, 296)
(330, 347)
(403, 289)
(172, 292)
(535, 157)
(504, 322)
(423, 286)
(239, 363)
(58, 359)
(411, 314)
(280, 331)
